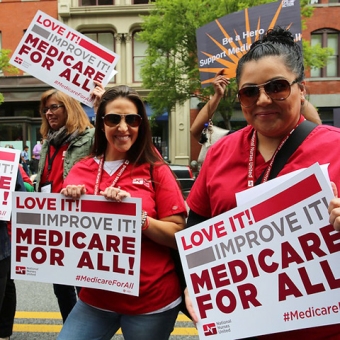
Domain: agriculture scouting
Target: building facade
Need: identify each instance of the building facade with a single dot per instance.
(116, 24)
(322, 85)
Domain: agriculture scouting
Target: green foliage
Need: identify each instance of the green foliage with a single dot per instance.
(170, 67)
(6, 67)
(4, 63)
(316, 56)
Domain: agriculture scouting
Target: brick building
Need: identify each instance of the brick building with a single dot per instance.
(115, 24)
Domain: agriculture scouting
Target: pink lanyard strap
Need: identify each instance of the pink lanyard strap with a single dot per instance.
(119, 172)
(251, 163)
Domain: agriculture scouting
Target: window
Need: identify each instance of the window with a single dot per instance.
(327, 38)
(96, 2)
(139, 49)
(105, 39)
(140, 2)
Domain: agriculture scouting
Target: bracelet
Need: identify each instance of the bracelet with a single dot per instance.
(145, 220)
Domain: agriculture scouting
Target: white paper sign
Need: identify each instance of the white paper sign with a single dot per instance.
(64, 58)
(9, 162)
(268, 266)
(90, 242)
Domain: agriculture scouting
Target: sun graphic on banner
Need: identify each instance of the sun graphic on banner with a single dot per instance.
(237, 48)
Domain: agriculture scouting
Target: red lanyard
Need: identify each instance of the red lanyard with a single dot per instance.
(100, 171)
(252, 152)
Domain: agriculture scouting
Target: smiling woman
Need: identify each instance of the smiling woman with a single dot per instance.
(125, 163)
(270, 79)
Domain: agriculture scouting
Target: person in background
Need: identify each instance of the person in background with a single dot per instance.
(271, 91)
(68, 136)
(33, 165)
(27, 181)
(124, 163)
(36, 156)
(24, 159)
(8, 299)
(207, 112)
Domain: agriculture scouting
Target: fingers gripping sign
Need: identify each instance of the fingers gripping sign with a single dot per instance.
(334, 209)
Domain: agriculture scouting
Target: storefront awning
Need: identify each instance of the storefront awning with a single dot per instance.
(149, 112)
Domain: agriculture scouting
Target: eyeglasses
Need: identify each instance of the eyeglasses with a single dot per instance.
(278, 89)
(53, 108)
(131, 119)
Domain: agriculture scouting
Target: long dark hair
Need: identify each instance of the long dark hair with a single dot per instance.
(276, 42)
(143, 150)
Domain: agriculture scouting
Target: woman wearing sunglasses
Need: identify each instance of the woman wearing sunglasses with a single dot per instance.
(270, 79)
(68, 136)
(124, 163)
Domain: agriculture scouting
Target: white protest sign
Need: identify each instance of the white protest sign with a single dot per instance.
(245, 196)
(64, 58)
(274, 258)
(9, 162)
(90, 242)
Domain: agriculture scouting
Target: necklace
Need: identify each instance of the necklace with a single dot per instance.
(251, 162)
(119, 171)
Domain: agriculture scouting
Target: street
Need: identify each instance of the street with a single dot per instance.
(38, 317)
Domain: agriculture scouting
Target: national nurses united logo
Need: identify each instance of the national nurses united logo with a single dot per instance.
(18, 60)
(20, 270)
(210, 329)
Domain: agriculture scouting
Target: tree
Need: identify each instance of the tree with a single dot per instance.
(5, 67)
(170, 67)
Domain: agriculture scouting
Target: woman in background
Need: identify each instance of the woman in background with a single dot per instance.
(68, 136)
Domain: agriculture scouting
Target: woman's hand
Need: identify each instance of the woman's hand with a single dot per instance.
(74, 191)
(334, 209)
(190, 307)
(97, 93)
(115, 194)
(220, 83)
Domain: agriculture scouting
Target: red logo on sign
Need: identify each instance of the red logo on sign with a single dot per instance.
(210, 329)
(18, 60)
(20, 270)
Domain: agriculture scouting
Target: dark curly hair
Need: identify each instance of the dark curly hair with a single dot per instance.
(276, 42)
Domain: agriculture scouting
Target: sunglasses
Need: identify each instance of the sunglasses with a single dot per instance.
(278, 89)
(53, 108)
(114, 119)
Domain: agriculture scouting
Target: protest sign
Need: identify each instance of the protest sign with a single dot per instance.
(64, 58)
(221, 43)
(90, 242)
(9, 162)
(268, 266)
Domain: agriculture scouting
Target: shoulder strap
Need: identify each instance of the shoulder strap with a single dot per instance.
(289, 147)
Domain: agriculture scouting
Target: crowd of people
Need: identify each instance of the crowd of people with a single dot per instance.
(77, 158)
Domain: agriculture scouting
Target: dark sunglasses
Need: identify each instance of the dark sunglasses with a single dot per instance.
(53, 108)
(278, 89)
(131, 119)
